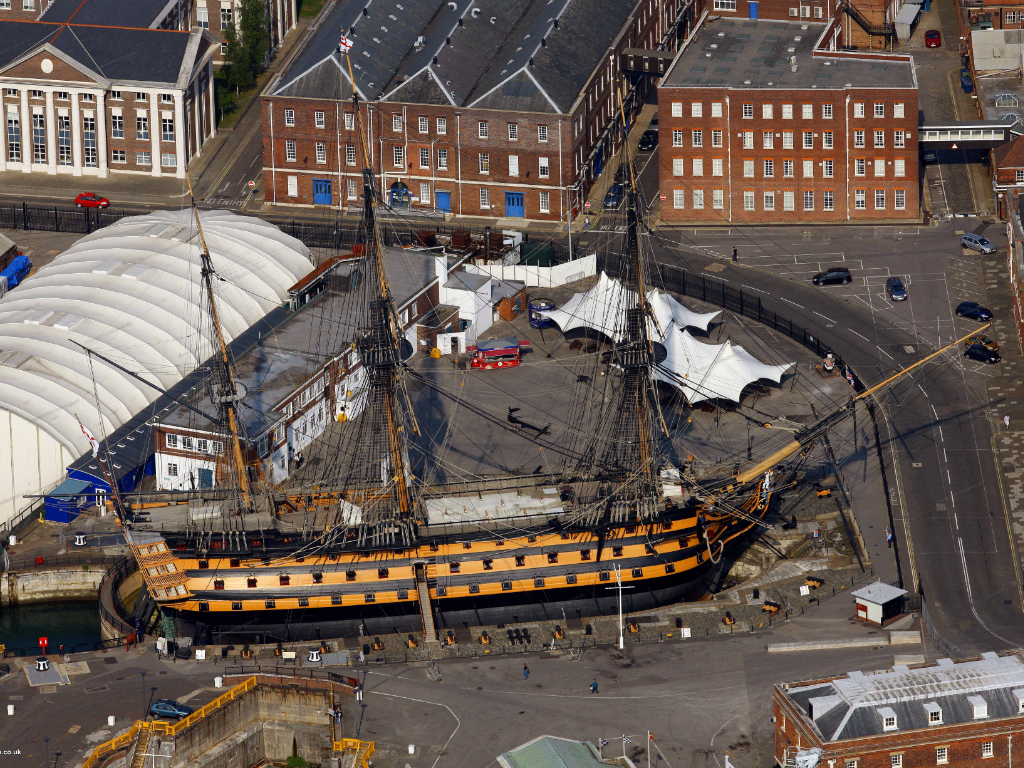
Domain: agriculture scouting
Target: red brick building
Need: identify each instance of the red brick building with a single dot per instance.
(964, 714)
(503, 113)
(767, 122)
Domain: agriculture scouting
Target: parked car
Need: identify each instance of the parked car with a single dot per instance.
(966, 84)
(980, 353)
(91, 200)
(977, 243)
(972, 310)
(933, 39)
(648, 141)
(613, 199)
(833, 276)
(895, 289)
(983, 340)
(164, 708)
(928, 157)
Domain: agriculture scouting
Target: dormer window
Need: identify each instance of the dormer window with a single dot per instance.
(934, 713)
(980, 707)
(888, 719)
(1018, 695)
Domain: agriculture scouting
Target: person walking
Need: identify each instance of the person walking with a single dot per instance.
(735, 256)
(526, 672)
(888, 536)
(1006, 420)
(586, 222)
(593, 685)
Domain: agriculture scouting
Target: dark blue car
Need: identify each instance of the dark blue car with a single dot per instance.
(613, 199)
(167, 708)
(972, 310)
(895, 289)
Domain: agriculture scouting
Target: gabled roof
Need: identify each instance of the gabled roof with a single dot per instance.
(116, 13)
(552, 752)
(107, 53)
(493, 54)
(1010, 155)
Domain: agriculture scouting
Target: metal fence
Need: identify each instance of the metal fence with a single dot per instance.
(60, 219)
(50, 562)
(121, 619)
(96, 645)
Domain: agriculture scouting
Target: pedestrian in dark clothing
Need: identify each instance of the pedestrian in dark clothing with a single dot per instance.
(888, 536)
(593, 686)
(526, 672)
(735, 256)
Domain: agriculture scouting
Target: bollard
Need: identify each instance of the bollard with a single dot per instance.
(10, 710)
(412, 749)
(218, 682)
(110, 721)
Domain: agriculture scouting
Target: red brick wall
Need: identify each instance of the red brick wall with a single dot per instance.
(918, 747)
(734, 183)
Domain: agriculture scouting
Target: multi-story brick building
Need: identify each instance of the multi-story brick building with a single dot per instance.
(217, 15)
(966, 714)
(766, 122)
(84, 98)
(507, 111)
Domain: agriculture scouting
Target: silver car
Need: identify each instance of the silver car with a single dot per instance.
(977, 243)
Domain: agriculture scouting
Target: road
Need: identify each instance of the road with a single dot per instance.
(943, 477)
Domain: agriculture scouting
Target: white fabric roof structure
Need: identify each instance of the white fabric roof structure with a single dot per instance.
(601, 309)
(132, 292)
(707, 371)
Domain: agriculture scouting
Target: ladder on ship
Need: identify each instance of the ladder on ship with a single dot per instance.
(426, 610)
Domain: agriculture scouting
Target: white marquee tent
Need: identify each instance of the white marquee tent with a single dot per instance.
(132, 292)
(707, 371)
(601, 309)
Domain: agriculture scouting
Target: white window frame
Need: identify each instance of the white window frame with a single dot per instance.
(766, 111)
(319, 120)
(679, 199)
(697, 109)
(483, 130)
(748, 200)
(423, 123)
(544, 202)
(768, 201)
(289, 118)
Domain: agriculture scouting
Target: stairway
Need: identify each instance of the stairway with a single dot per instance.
(881, 30)
(426, 611)
(141, 747)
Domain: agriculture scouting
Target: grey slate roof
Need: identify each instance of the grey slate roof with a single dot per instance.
(477, 54)
(848, 707)
(119, 13)
(134, 55)
(757, 54)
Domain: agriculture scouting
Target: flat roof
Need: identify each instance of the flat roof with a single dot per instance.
(757, 54)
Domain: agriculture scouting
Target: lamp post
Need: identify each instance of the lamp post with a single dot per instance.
(47, 740)
(619, 587)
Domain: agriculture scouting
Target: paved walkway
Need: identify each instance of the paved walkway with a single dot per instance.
(1006, 395)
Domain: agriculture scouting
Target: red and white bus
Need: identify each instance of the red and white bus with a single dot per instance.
(497, 353)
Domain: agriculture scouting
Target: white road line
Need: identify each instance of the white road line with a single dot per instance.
(943, 439)
(936, 415)
(922, 390)
(945, 457)
(956, 520)
(825, 316)
(752, 288)
(858, 334)
(883, 352)
(949, 477)
(970, 596)
(792, 302)
(458, 722)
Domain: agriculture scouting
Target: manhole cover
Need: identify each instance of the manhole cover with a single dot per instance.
(908, 349)
(44, 689)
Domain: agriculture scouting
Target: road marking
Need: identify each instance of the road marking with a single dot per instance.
(970, 596)
(945, 456)
(752, 288)
(883, 352)
(792, 302)
(922, 390)
(826, 317)
(241, 146)
(458, 723)
(943, 439)
(859, 334)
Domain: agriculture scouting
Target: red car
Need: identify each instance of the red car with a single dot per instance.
(91, 200)
(933, 39)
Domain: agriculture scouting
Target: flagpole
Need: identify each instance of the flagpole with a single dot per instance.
(649, 740)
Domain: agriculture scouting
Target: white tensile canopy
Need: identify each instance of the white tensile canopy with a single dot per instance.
(602, 309)
(708, 371)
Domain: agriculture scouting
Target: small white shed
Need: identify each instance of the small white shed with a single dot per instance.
(879, 602)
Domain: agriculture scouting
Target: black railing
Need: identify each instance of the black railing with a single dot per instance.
(95, 645)
(121, 619)
(276, 671)
(59, 219)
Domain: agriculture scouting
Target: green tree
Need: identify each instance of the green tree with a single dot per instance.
(248, 41)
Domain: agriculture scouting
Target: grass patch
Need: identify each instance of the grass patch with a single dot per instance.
(230, 105)
(310, 8)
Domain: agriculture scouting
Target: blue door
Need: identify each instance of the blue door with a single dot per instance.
(321, 191)
(753, 9)
(514, 204)
(444, 201)
(206, 475)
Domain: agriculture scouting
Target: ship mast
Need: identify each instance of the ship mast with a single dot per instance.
(388, 501)
(628, 461)
(225, 392)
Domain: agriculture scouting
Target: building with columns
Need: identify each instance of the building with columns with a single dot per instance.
(84, 100)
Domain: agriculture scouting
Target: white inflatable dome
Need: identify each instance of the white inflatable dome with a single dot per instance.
(132, 292)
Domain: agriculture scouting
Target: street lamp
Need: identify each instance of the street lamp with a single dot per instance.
(618, 586)
(47, 740)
